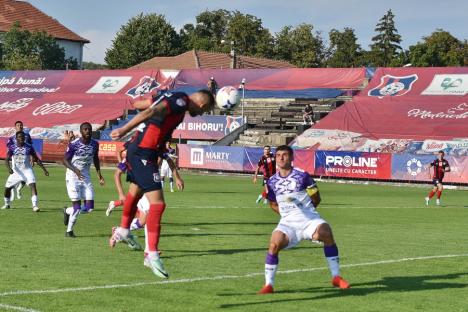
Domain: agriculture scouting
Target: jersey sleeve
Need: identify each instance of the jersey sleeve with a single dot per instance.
(271, 196)
(309, 182)
(178, 104)
(432, 164)
(70, 150)
(260, 162)
(27, 138)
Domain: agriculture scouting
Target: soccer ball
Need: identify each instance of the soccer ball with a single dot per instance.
(227, 98)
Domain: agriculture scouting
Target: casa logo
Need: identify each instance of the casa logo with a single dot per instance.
(197, 156)
(348, 161)
(414, 167)
(434, 146)
(393, 86)
(146, 85)
(16, 105)
(56, 108)
(448, 85)
(232, 123)
(110, 84)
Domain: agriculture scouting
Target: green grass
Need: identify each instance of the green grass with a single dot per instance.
(214, 228)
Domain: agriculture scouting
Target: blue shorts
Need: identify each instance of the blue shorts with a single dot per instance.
(144, 173)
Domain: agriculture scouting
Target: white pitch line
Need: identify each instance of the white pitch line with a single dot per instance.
(320, 208)
(16, 308)
(215, 278)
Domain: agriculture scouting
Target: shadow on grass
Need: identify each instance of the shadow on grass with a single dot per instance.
(394, 284)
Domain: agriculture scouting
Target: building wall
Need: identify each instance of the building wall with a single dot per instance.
(72, 49)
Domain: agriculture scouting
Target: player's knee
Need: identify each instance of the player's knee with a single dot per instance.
(274, 248)
(323, 233)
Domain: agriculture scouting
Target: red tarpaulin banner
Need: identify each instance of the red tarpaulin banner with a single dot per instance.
(276, 79)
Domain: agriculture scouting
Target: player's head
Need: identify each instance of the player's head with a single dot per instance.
(86, 130)
(19, 125)
(440, 154)
(266, 150)
(20, 138)
(200, 102)
(284, 157)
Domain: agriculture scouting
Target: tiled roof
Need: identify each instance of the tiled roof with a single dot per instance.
(33, 19)
(209, 60)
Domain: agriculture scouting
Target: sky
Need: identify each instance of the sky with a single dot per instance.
(100, 20)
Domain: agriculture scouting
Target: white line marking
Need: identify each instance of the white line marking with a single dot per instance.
(16, 308)
(214, 278)
(320, 208)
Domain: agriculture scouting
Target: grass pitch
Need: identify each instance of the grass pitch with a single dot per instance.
(397, 254)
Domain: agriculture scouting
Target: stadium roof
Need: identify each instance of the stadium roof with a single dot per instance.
(194, 59)
(33, 19)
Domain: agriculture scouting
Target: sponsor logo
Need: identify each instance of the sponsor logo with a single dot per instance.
(196, 156)
(146, 85)
(393, 86)
(110, 84)
(16, 105)
(448, 85)
(433, 146)
(348, 161)
(56, 108)
(457, 112)
(414, 167)
(181, 102)
(144, 161)
(156, 177)
(232, 123)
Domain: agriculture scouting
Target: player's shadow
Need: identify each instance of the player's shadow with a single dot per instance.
(385, 285)
(211, 252)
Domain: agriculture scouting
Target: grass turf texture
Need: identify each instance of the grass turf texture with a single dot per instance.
(214, 228)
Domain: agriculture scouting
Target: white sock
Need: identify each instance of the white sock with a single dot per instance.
(334, 265)
(73, 217)
(172, 185)
(153, 254)
(7, 201)
(146, 239)
(162, 184)
(124, 232)
(34, 200)
(270, 272)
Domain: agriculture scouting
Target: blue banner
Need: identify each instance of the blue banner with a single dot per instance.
(411, 167)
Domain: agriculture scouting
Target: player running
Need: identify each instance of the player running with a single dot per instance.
(22, 156)
(12, 140)
(160, 119)
(80, 154)
(268, 165)
(294, 195)
(441, 166)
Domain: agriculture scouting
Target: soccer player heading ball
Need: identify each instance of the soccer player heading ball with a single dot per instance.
(161, 118)
(294, 195)
(441, 166)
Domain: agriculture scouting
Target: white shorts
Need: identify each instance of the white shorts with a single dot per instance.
(26, 175)
(299, 231)
(166, 170)
(78, 190)
(143, 204)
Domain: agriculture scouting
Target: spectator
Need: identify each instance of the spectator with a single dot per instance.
(212, 86)
(308, 116)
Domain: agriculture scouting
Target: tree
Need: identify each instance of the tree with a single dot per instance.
(344, 51)
(249, 35)
(439, 49)
(142, 38)
(92, 65)
(386, 44)
(25, 50)
(300, 46)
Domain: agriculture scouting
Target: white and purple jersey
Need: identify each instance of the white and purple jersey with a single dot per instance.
(81, 156)
(291, 195)
(21, 156)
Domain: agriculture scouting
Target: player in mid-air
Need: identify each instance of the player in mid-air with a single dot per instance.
(440, 166)
(22, 156)
(12, 140)
(294, 195)
(164, 114)
(268, 165)
(80, 154)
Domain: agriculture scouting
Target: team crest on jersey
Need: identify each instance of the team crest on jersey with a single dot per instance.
(146, 85)
(393, 86)
(232, 123)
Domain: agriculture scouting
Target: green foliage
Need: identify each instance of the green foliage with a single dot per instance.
(25, 50)
(386, 44)
(300, 46)
(439, 49)
(92, 65)
(142, 38)
(344, 50)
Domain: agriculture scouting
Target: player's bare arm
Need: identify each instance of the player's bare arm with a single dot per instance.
(178, 180)
(97, 165)
(118, 183)
(142, 104)
(40, 164)
(120, 151)
(256, 174)
(66, 162)
(274, 207)
(152, 111)
(447, 169)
